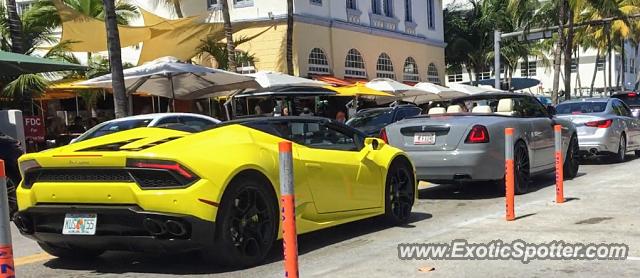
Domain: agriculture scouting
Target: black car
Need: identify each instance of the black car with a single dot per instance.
(372, 120)
(632, 99)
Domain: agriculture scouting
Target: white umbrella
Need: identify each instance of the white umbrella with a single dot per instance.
(401, 91)
(166, 77)
(472, 90)
(268, 79)
(443, 92)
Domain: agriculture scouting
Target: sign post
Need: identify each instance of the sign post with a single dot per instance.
(7, 269)
(289, 235)
(509, 174)
(559, 165)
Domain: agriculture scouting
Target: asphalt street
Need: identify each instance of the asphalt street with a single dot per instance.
(602, 207)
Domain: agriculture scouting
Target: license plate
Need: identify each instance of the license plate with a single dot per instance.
(424, 138)
(80, 224)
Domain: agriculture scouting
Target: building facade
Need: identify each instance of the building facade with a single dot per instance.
(359, 39)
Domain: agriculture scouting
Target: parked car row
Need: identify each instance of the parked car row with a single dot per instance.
(149, 184)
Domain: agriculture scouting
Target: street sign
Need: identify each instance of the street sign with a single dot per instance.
(34, 129)
(536, 36)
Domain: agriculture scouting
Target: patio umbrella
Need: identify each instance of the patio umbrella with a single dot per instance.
(471, 90)
(517, 83)
(400, 91)
(443, 92)
(268, 79)
(357, 90)
(13, 63)
(166, 77)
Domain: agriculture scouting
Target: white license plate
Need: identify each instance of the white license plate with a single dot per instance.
(80, 224)
(424, 138)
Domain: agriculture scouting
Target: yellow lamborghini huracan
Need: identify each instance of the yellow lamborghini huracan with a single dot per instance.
(215, 191)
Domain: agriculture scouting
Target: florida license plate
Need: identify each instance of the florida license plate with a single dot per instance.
(80, 224)
(424, 138)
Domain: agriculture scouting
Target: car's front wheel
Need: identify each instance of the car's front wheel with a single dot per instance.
(247, 223)
(12, 199)
(571, 163)
(70, 253)
(399, 193)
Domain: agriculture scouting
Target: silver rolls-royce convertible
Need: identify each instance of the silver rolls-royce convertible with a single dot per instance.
(465, 141)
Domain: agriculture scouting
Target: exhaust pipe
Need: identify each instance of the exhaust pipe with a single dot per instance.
(154, 227)
(24, 224)
(593, 151)
(175, 228)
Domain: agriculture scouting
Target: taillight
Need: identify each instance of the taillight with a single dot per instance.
(632, 95)
(478, 134)
(27, 165)
(383, 136)
(163, 173)
(599, 124)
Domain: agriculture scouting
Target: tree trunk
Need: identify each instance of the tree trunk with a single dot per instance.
(595, 73)
(623, 66)
(120, 100)
(568, 49)
(557, 55)
(608, 30)
(228, 33)
(178, 8)
(290, 37)
(15, 27)
(576, 53)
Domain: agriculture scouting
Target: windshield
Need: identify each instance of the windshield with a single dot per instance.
(581, 108)
(113, 127)
(370, 121)
(630, 99)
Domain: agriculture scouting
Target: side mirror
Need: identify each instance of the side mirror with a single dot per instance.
(551, 110)
(375, 143)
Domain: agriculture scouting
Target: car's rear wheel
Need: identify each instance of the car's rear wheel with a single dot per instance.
(11, 195)
(399, 193)
(247, 223)
(637, 153)
(522, 176)
(70, 253)
(571, 163)
(622, 150)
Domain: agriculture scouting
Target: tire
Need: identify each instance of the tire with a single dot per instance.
(637, 153)
(12, 199)
(400, 189)
(620, 156)
(246, 225)
(521, 168)
(571, 163)
(70, 253)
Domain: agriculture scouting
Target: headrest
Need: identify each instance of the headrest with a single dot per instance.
(505, 106)
(482, 109)
(454, 109)
(437, 110)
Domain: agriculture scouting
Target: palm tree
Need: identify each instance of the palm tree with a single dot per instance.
(44, 12)
(115, 59)
(175, 4)
(220, 52)
(228, 33)
(290, 37)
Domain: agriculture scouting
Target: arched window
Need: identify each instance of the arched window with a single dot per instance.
(432, 74)
(318, 63)
(411, 70)
(385, 67)
(354, 64)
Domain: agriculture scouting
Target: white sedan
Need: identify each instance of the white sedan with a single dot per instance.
(182, 121)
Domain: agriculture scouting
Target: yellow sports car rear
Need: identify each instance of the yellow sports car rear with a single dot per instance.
(214, 191)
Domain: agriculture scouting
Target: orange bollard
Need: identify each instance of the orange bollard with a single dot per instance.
(559, 165)
(509, 174)
(289, 235)
(7, 269)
